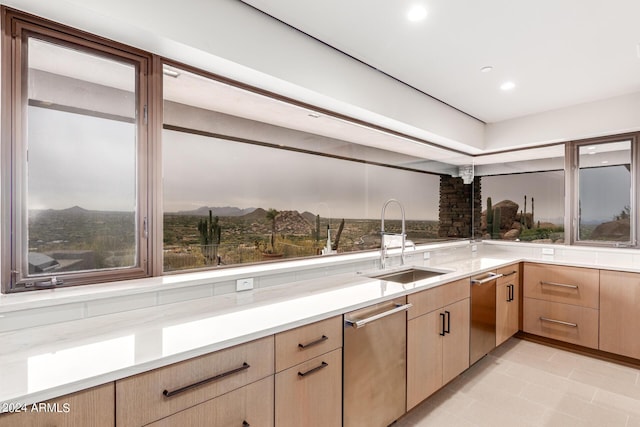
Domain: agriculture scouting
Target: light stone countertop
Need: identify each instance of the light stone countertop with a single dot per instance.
(44, 362)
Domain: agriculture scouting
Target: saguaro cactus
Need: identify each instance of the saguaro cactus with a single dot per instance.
(495, 231)
(210, 235)
(532, 218)
(489, 215)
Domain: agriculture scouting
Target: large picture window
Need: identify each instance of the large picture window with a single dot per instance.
(604, 211)
(77, 204)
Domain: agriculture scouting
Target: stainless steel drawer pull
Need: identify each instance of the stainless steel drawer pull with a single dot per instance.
(360, 323)
(168, 393)
(562, 285)
(490, 277)
(509, 274)
(560, 322)
(312, 343)
(311, 371)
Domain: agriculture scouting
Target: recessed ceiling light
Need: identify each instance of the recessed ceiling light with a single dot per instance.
(486, 69)
(417, 13)
(507, 85)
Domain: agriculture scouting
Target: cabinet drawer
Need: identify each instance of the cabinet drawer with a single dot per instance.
(510, 275)
(141, 399)
(564, 322)
(303, 343)
(569, 285)
(310, 394)
(435, 298)
(251, 405)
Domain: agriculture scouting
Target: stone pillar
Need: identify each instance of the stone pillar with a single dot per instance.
(457, 215)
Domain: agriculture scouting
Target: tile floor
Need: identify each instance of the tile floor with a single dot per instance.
(527, 384)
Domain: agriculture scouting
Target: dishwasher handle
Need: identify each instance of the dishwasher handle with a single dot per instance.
(489, 278)
(360, 323)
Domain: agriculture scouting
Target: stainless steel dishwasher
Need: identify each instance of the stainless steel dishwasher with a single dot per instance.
(482, 336)
(375, 342)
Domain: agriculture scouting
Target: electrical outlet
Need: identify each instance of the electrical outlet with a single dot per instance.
(474, 248)
(547, 251)
(244, 284)
(426, 255)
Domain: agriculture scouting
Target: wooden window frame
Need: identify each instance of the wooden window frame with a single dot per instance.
(17, 27)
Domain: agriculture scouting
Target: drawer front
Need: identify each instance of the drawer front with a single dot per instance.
(310, 394)
(510, 275)
(432, 299)
(303, 343)
(564, 322)
(251, 405)
(140, 399)
(569, 285)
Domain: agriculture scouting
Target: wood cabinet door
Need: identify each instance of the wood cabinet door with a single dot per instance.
(310, 394)
(92, 407)
(507, 310)
(455, 351)
(424, 356)
(619, 313)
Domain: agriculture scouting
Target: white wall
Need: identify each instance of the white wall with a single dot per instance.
(605, 117)
(230, 38)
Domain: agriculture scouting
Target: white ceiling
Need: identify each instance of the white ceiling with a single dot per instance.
(558, 53)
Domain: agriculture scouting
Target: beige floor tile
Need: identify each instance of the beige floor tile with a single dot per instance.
(633, 422)
(605, 382)
(596, 366)
(527, 384)
(484, 414)
(618, 402)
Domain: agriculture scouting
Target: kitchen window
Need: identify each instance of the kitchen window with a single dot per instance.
(604, 210)
(76, 212)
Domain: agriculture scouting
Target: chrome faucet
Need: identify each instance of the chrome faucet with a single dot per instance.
(387, 238)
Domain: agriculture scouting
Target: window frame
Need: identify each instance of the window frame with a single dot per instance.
(573, 189)
(17, 29)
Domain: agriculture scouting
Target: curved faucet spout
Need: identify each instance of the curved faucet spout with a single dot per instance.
(385, 240)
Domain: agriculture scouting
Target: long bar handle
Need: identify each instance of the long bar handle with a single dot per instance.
(562, 285)
(511, 292)
(168, 393)
(486, 279)
(509, 274)
(560, 322)
(448, 329)
(360, 323)
(312, 343)
(311, 371)
(444, 331)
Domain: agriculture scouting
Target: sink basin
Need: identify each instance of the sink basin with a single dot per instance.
(409, 275)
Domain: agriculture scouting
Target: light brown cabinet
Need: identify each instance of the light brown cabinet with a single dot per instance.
(438, 340)
(620, 313)
(251, 405)
(308, 382)
(150, 396)
(310, 394)
(91, 407)
(507, 303)
(562, 303)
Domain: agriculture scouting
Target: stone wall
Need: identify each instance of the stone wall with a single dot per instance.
(457, 218)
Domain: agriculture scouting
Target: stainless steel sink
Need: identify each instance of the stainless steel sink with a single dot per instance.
(409, 275)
